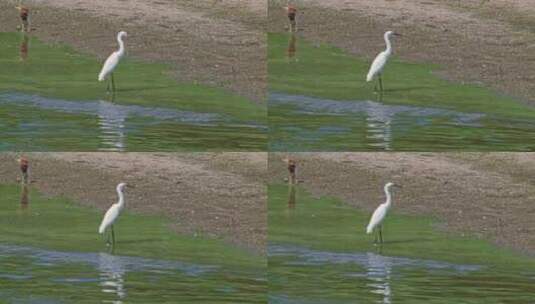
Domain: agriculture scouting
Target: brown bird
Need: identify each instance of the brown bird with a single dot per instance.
(292, 12)
(24, 164)
(24, 13)
(292, 170)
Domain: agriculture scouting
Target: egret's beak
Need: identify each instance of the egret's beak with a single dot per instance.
(397, 34)
(398, 186)
(130, 186)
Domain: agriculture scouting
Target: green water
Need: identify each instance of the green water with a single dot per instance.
(55, 89)
(50, 251)
(319, 253)
(319, 100)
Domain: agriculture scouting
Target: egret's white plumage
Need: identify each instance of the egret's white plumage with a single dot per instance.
(113, 60)
(113, 213)
(379, 214)
(380, 61)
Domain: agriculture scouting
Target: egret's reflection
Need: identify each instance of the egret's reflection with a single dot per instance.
(111, 121)
(379, 130)
(379, 119)
(378, 271)
(112, 271)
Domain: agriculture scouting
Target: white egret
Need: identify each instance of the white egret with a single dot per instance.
(379, 214)
(378, 64)
(111, 63)
(112, 214)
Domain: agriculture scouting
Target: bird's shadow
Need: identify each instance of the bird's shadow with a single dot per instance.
(405, 89)
(380, 248)
(110, 248)
(147, 88)
(111, 96)
(404, 241)
(412, 88)
(138, 241)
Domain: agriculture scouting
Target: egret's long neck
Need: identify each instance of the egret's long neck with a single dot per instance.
(121, 44)
(121, 197)
(388, 44)
(388, 196)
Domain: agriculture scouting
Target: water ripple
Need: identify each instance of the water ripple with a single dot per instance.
(375, 262)
(103, 261)
(108, 111)
(376, 111)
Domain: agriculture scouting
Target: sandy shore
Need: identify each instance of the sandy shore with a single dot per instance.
(220, 195)
(488, 196)
(482, 42)
(214, 42)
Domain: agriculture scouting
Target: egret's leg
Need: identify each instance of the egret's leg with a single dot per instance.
(381, 234)
(112, 83)
(380, 83)
(375, 237)
(107, 85)
(112, 236)
(107, 238)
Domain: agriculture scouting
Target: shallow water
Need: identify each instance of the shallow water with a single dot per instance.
(300, 123)
(33, 275)
(302, 275)
(36, 123)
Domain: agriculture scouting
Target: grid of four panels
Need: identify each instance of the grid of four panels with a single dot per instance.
(267, 151)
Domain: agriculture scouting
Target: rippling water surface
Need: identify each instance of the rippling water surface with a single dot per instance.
(301, 123)
(33, 275)
(32, 122)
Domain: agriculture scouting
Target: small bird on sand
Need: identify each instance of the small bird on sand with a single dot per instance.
(24, 164)
(24, 14)
(292, 16)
